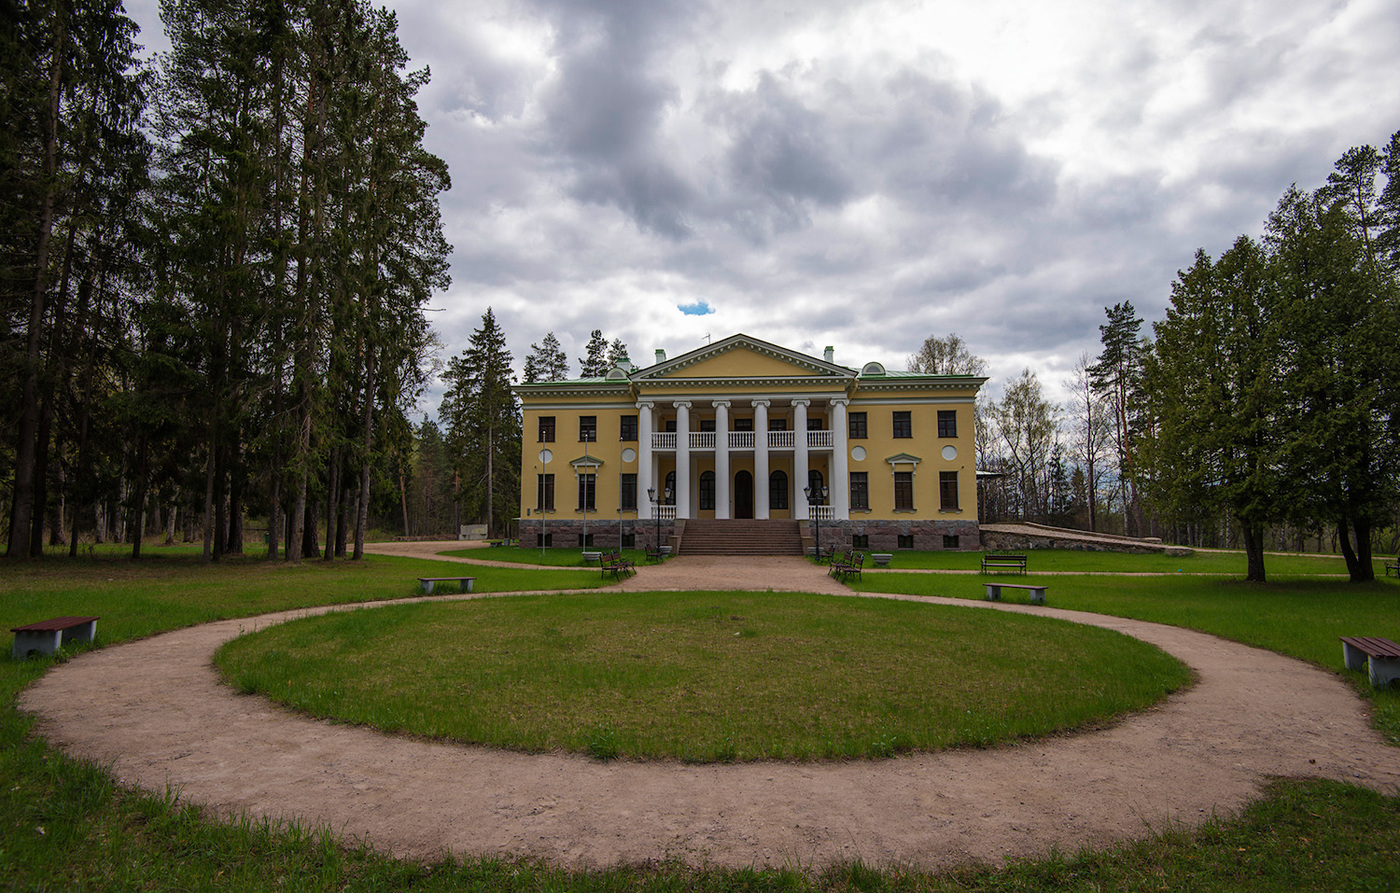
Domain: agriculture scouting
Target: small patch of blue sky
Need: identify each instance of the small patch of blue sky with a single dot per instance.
(699, 308)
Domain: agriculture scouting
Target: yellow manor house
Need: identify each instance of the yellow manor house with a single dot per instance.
(752, 439)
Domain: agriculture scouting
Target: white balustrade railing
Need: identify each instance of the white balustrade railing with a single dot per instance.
(665, 512)
(663, 441)
(782, 440)
(741, 440)
(822, 512)
(702, 440)
(821, 440)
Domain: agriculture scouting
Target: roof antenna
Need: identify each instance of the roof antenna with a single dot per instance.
(707, 337)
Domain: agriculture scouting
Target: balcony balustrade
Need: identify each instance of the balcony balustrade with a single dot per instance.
(741, 440)
(821, 440)
(702, 440)
(782, 440)
(664, 441)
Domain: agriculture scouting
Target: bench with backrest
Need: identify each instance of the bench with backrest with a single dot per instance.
(47, 636)
(613, 563)
(654, 553)
(465, 583)
(1380, 657)
(1392, 567)
(1004, 562)
(1037, 592)
(848, 565)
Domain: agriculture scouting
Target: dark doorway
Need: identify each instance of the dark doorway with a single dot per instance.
(743, 495)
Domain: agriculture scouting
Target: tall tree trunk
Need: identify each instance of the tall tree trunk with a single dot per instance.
(367, 441)
(332, 503)
(138, 496)
(22, 508)
(1253, 550)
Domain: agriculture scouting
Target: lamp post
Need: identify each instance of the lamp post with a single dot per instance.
(656, 510)
(815, 497)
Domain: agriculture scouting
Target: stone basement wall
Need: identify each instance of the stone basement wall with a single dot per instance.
(605, 534)
(1027, 538)
(884, 534)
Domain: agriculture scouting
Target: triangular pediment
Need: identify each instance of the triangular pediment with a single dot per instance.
(742, 357)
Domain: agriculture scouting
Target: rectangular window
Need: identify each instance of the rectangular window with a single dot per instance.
(903, 424)
(860, 491)
(707, 491)
(860, 541)
(948, 491)
(855, 424)
(585, 541)
(815, 424)
(670, 426)
(947, 423)
(906, 541)
(777, 424)
(587, 491)
(546, 429)
(743, 424)
(904, 491)
(544, 492)
(628, 499)
(629, 428)
(777, 491)
(629, 541)
(950, 541)
(544, 541)
(707, 424)
(587, 428)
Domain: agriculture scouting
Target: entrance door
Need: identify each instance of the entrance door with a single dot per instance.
(743, 495)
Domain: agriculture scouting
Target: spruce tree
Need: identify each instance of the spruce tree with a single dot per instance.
(483, 427)
(594, 363)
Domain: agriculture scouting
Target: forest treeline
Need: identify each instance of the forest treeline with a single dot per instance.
(213, 271)
(214, 268)
(1262, 413)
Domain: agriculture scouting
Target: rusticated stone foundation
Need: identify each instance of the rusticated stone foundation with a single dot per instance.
(610, 534)
(883, 535)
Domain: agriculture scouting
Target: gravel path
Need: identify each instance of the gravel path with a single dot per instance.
(155, 711)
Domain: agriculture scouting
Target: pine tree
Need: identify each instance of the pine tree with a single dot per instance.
(483, 427)
(1117, 375)
(594, 364)
(617, 352)
(546, 361)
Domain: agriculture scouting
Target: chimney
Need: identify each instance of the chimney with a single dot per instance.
(660, 355)
(830, 354)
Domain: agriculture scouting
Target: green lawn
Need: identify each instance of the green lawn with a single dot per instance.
(1300, 616)
(551, 557)
(65, 825)
(703, 676)
(1075, 561)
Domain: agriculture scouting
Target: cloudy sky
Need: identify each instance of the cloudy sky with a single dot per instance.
(867, 174)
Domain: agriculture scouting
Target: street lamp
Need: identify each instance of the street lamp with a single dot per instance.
(656, 510)
(816, 495)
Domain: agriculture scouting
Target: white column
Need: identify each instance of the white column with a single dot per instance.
(760, 459)
(682, 458)
(839, 487)
(721, 458)
(646, 468)
(799, 459)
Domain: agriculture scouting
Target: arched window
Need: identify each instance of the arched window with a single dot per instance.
(816, 484)
(707, 490)
(778, 490)
(670, 497)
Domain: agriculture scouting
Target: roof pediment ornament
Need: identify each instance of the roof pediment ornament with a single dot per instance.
(804, 365)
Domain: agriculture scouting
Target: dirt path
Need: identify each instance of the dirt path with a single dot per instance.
(155, 711)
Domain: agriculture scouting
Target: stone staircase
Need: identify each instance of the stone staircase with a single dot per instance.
(741, 538)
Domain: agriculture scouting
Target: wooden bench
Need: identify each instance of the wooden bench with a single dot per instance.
(848, 565)
(47, 636)
(882, 559)
(427, 583)
(1380, 657)
(1009, 562)
(1392, 567)
(613, 563)
(823, 556)
(1037, 592)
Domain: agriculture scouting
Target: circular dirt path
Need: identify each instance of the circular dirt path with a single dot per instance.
(156, 713)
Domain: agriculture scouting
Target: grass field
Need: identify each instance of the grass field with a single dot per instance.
(703, 676)
(65, 825)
